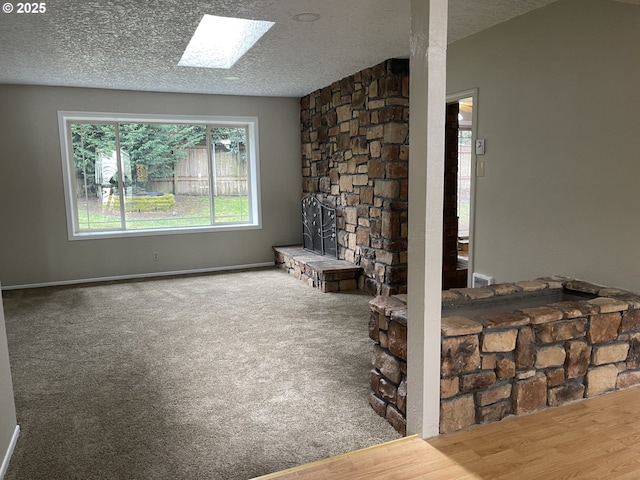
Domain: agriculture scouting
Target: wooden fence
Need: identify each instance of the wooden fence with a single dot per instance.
(192, 175)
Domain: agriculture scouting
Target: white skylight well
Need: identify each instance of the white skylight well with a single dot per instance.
(219, 42)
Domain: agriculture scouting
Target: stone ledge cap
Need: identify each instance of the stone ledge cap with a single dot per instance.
(581, 286)
(555, 281)
(474, 293)
(456, 325)
(609, 305)
(450, 297)
(385, 305)
(532, 285)
(575, 309)
(399, 316)
(504, 319)
(505, 288)
(631, 298)
(613, 292)
(540, 315)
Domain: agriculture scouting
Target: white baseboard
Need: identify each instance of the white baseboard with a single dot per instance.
(135, 276)
(12, 444)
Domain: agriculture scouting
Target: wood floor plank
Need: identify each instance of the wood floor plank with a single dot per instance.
(598, 438)
(404, 459)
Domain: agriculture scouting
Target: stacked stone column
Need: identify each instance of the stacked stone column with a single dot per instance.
(355, 152)
(388, 329)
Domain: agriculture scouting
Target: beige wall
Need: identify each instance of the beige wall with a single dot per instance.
(7, 405)
(558, 108)
(33, 238)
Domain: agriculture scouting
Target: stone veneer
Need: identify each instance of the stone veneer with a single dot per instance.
(512, 362)
(355, 152)
(324, 273)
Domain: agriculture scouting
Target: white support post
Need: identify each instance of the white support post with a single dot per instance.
(426, 179)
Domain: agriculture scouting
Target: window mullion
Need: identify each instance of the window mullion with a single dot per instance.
(121, 192)
(212, 175)
(84, 175)
(250, 175)
(74, 212)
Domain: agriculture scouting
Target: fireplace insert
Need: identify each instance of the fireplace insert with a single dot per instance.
(319, 227)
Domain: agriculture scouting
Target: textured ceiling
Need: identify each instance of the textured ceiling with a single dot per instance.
(136, 44)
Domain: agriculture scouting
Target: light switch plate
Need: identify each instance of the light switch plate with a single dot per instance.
(480, 146)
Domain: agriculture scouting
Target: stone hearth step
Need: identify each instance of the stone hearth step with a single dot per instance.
(324, 273)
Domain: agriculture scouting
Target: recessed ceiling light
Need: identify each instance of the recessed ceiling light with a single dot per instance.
(219, 42)
(306, 17)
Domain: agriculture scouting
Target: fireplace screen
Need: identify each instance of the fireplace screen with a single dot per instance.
(319, 227)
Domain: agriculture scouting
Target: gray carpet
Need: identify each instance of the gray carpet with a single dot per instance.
(224, 376)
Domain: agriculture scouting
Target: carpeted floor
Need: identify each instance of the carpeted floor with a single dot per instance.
(224, 376)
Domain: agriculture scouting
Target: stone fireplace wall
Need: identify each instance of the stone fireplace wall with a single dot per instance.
(355, 152)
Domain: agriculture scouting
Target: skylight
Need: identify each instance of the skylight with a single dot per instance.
(219, 42)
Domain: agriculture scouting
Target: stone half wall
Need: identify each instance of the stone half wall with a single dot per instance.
(355, 152)
(516, 361)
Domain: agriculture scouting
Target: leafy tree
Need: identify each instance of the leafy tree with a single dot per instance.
(88, 140)
(159, 146)
(233, 138)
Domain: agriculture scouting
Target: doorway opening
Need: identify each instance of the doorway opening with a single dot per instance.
(458, 191)
(465, 136)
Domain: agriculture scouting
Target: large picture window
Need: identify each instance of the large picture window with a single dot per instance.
(132, 175)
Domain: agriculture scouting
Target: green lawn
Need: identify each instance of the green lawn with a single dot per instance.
(188, 212)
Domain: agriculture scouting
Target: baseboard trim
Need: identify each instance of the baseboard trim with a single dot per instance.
(137, 276)
(7, 458)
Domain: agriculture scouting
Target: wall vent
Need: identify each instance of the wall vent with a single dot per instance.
(480, 280)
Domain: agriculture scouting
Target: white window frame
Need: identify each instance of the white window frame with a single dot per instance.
(65, 118)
